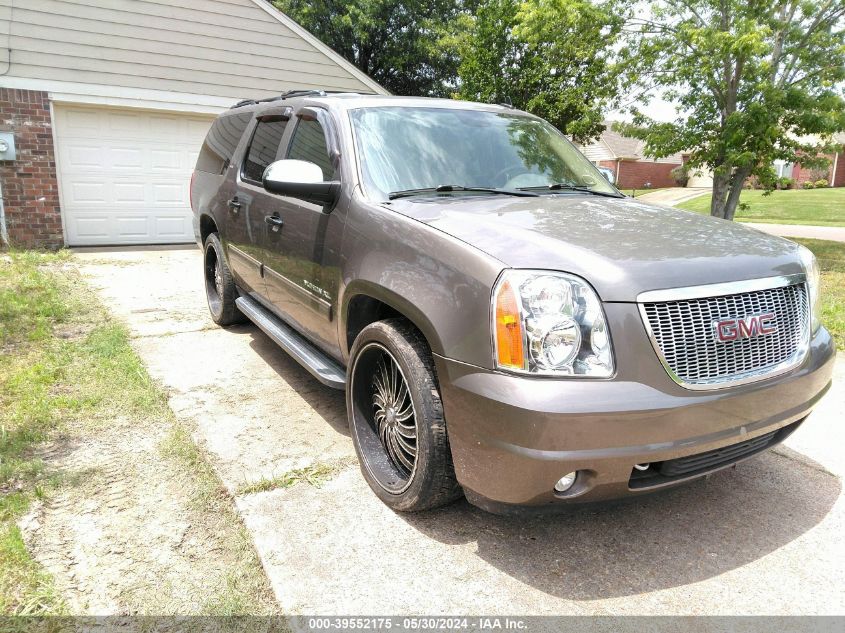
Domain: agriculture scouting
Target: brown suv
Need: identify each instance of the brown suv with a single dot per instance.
(505, 323)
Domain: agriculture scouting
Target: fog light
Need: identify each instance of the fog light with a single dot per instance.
(565, 483)
(642, 467)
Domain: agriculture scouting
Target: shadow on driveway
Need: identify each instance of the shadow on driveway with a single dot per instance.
(664, 540)
(328, 403)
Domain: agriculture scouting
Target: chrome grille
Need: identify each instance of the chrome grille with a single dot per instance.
(683, 334)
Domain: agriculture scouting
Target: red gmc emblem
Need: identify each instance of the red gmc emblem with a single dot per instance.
(745, 327)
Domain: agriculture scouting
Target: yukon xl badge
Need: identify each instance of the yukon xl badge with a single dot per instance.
(316, 289)
(753, 325)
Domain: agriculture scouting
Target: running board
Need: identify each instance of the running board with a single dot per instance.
(323, 368)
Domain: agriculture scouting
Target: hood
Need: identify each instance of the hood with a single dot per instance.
(621, 246)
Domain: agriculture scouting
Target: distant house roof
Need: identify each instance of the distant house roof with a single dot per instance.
(612, 145)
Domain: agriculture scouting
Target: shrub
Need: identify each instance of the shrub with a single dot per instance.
(808, 184)
(821, 183)
(785, 183)
(680, 175)
(820, 173)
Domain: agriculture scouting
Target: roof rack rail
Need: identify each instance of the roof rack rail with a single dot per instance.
(290, 94)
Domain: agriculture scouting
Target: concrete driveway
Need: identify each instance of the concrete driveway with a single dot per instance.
(765, 538)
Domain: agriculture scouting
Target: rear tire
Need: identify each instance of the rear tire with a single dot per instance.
(396, 418)
(220, 288)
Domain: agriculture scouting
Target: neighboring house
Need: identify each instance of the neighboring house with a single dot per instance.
(626, 157)
(834, 173)
(109, 102)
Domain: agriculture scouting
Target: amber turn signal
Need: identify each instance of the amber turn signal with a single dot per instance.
(509, 337)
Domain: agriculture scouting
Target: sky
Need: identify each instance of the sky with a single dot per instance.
(657, 109)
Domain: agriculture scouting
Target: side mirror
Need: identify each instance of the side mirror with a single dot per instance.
(300, 179)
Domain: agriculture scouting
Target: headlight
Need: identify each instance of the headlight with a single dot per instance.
(811, 268)
(549, 323)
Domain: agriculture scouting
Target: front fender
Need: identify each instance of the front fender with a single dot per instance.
(439, 283)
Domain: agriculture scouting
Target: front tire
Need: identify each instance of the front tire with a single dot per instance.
(219, 284)
(396, 418)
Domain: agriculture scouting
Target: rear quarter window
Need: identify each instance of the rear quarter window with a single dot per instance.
(221, 141)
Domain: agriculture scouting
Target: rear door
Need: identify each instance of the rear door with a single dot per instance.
(250, 204)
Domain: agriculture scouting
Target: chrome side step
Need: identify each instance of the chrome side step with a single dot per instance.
(323, 368)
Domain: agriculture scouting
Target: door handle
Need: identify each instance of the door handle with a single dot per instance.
(234, 205)
(274, 221)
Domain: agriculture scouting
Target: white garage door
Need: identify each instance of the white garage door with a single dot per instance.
(125, 173)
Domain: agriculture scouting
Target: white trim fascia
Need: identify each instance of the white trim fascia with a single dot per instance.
(97, 94)
(58, 173)
(316, 43)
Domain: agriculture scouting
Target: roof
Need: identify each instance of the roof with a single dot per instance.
(316, 43)
(627, 148)
(190, 55)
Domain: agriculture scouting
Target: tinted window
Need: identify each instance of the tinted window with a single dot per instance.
(309, 143)
(221, 141)
(264, 148)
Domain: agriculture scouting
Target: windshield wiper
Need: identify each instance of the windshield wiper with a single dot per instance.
(563, 186)
(450, 188)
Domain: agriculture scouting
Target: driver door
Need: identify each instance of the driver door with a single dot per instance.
(301, 270)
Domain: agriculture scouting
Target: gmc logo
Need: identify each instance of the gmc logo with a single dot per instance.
(747, 327)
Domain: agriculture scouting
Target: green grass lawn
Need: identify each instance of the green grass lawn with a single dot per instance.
(67, 370)
(831, 256)
(822, 207)
(62, 363)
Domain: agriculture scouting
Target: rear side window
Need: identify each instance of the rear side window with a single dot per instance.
(264, 147)
(309, 143)
(220, 143)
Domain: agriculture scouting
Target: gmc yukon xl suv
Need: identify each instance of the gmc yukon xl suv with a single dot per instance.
(506, 324)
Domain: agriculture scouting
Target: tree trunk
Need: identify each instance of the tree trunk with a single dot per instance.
(721, 186)
(737, 185)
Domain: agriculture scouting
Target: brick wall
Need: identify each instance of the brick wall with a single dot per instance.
(801, 174)
(635, 174)
(30, 188)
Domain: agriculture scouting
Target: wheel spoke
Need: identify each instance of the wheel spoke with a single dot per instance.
(392, 449)
(403, 444)
(379, 401)
(405, 414)
(407, 431)
(400, 454)
(393, 414)
(397, 383)
(378, 382)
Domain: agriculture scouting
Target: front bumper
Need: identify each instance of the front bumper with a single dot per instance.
(513, 437)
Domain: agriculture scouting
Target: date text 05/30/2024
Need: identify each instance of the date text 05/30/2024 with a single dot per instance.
(418, 624)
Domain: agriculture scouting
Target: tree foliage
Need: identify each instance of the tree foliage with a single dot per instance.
(754, 80)
(554, 58)
(408, 46)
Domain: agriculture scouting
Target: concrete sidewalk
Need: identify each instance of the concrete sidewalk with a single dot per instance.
(833, 233)
(765, 538)
(673, 196)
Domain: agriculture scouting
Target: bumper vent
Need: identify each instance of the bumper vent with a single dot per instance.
(660, 473)
(683, 333)
(714, 459)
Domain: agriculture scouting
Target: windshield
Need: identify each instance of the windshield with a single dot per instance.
(403, 148)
